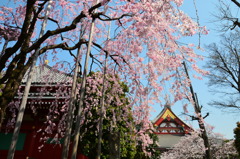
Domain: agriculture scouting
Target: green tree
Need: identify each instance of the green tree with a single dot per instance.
(237, 137)
(118, 124)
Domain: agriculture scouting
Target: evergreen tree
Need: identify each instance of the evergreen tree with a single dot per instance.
(237, 137)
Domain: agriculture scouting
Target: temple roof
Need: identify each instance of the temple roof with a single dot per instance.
(167, 114)
(48, 86)
(169, 128)
(161, 113)
(47, 74)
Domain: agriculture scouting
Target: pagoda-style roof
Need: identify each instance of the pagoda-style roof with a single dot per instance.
(169, 123)
(169, 128)
(46, 74)
(49, 86)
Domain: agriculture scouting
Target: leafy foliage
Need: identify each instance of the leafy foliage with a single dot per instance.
(118, 123)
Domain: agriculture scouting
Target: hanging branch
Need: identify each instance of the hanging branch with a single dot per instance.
(199, 34)
(18, 124)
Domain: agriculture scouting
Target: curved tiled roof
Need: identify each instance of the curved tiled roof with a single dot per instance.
(47, 74)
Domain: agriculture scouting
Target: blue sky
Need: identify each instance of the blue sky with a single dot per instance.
(224, 122)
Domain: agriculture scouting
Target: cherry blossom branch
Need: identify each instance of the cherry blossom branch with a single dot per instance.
(62, 38)
(10, 26)
(24, 39)
(73, 24)
(95, 59)
(27, 30)
(49, 33)
(98, 46)
(63, 46)
(26, 35)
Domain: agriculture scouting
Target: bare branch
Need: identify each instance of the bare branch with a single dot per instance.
(224, 67)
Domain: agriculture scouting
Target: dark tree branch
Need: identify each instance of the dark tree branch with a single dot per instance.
(63, 46)
(107, 18)
(236, 2)
(206, 115)
(27, 22)
(194, 117)
(235, 23)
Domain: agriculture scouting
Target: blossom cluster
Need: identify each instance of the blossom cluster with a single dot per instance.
(194, 148)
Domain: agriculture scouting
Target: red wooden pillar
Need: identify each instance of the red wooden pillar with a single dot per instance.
(32, 138)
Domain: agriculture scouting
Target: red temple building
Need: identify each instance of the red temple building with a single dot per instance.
(169, 128)
(46, 83)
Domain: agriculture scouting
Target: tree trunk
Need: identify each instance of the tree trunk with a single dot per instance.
(10, 89)
(197, 109)
(114, 145)
(18, 124)
(208, 153)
